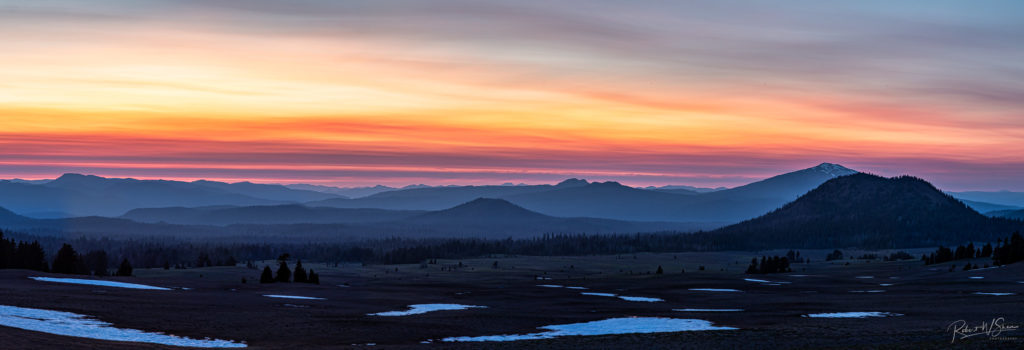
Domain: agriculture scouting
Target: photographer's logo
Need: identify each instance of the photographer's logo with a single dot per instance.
(995, 329)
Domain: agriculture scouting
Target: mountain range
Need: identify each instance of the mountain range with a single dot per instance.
(479, 218)
(612, 200)
(823, 206)
(220, 204)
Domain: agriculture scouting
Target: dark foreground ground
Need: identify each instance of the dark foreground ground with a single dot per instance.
(220, 306)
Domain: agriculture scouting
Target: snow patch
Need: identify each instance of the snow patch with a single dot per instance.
(292, 297)
(425, 308)
(641, 299)
(82, 326)
(865, 277)
(989, 293)
(976, 277)
(599, 294)
(98, 283)
(834, 170)
(625, 325)
(549, 285)
(861, 314)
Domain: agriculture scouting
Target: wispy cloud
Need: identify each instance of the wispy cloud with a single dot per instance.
(710, 92)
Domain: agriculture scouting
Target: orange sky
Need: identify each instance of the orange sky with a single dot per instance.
(477, 93)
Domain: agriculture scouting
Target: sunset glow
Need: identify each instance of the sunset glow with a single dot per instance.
(468, 92)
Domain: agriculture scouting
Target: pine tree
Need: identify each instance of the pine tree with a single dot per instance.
(267, 276)
(67, 260)
(313, 277)
(31, 256)
(752, 269)
(283, 273)
(660, 271)
(300, 273)
(125, 269)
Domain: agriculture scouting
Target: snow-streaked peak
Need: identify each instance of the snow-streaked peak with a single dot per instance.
(834, 170)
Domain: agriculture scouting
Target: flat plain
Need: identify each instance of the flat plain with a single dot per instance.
(523, 293)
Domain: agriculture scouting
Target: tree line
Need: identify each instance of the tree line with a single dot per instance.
(32, 256)
(152, 253)
(1006, 251)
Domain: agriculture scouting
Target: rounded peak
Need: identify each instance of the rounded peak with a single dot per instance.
(68, 176)
(573, 182)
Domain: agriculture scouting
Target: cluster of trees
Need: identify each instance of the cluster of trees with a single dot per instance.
(794, 257)
(31, 256)
(96, 263)
(1006, 251)
(944, 254)
(1010, 251)
(834, 255)
(773, 264)
(22, 255)
(284, 274)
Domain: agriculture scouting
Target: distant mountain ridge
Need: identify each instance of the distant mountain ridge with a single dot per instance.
(85, 195)
(264, 215)
(612, 200)
(868, 211)
(74, 195)
(480, 218)
(1005, 198)
(1017, 214)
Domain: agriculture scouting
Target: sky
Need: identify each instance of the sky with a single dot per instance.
(351, 93)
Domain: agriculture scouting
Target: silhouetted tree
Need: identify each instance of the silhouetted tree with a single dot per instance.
(68, 261)
(753, 267)
(300, 273)
(835, 255)
(125, 269)
(283, 273)
(267, 276)
(660, 270)
(314, 278)
(986, 251)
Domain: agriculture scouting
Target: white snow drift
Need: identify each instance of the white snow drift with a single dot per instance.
(76, 325)
(858, 314)
(425, 308)
(98, 283)
(292, 297)
(625, 325)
